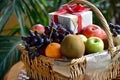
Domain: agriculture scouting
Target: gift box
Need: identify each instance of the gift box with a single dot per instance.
(75, 20)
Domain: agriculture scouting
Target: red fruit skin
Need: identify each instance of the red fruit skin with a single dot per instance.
(94, 30)
(38, 27)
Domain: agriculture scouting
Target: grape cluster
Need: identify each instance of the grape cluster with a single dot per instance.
(36, 43)
(56, 32)
(115, 29)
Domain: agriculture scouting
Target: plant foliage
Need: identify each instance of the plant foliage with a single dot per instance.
(36, 11)
(9, 54)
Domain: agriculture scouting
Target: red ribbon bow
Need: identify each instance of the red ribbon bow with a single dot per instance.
(71, 9)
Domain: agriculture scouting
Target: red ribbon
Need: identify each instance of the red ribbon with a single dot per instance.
(71, 9)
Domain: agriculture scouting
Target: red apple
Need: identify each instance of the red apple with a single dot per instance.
(38, 27)
(94, 31)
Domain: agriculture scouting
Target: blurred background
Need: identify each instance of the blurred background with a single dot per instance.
(18, 16)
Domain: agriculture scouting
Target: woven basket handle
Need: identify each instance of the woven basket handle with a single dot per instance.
(102, 19)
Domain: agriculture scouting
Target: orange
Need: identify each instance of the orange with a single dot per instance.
(53, 50)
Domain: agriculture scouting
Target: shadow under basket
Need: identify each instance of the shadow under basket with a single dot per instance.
(45, 68)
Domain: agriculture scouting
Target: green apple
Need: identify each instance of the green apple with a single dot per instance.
(118, 37)
(83, 37)
(94, 44)
(117, 42)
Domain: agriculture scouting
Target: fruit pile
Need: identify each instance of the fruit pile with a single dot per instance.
(40, 37)
(95, 38)
(57, 42)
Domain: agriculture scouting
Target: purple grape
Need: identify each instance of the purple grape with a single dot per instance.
(115, 34)
(51, 40)
(37, 33)
(61, 30)
(41, 40)
(118, 31)
(70, 31)
(59, 26)
(117, 27)
(61, 37)
(31, 33)
(51, 24)
(42, 51)
(46, 41)
(38, 46)
(67, 32)
(111, 25)
(32, 56)
(43, 35)
(37, 53)
(28, 40)
(47, 32)
(47, 28)
(27, 47)
(55, 25)
(29, 52)
(24, 38)
(60, 40)
(56, 40)
(33, 42)
(55, 35)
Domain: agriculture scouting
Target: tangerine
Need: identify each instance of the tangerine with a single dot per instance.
(53, 50)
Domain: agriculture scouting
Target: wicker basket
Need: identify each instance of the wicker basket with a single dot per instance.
(42, 67)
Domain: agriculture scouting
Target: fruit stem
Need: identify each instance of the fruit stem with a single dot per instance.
(51, 33)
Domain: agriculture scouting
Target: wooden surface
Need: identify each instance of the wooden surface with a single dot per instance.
(14, 71)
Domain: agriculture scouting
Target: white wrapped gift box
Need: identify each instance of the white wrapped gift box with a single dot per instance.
(70, 21)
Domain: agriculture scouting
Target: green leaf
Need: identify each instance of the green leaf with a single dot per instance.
(14, 31)
(20, 18)
(43, 2)
(6, 13)
(9, 54)
(7, 38)
(29, 12)
(35, 11)
(42, 7)
(4, 18)
(3, 3)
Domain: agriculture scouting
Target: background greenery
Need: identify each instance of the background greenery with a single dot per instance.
(36, 11)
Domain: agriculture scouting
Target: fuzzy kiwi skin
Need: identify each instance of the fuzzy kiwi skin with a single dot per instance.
(72, 46)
